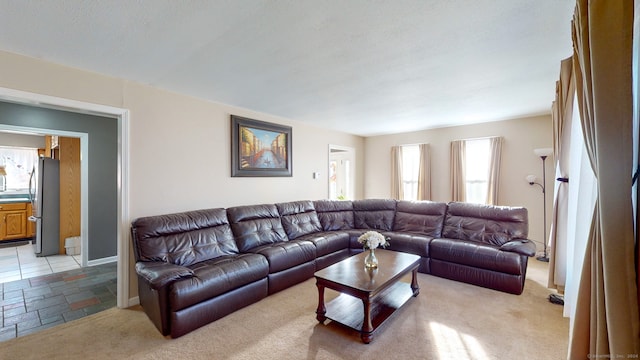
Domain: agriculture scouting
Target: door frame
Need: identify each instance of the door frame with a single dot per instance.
(122, 117)
(350, 154)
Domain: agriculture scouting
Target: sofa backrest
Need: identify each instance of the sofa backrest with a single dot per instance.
(375, 214)
(334, 214)
(422, 217)
(485, 223)
(183, 238)
(298, 218)
(255, 225)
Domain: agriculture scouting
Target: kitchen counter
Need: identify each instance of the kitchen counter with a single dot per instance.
(13, 200)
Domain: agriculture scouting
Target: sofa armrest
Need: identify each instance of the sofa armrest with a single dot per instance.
(159, 274)
(520, 246)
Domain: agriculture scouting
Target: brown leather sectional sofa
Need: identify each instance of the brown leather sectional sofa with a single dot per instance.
(198, 266)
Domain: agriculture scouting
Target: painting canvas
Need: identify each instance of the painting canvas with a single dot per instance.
(259, 148)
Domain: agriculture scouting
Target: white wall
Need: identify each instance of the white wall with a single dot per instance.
(19, 140)
(521, 136)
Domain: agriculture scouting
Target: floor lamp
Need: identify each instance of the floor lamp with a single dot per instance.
(543, 154)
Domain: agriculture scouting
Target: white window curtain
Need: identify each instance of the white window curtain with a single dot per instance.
(475, 170)
(18, 164)
(580, 199)
(562, 114)
(411, 172)
(493, 182)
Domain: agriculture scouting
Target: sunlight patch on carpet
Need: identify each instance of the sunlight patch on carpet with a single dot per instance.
(451, 344)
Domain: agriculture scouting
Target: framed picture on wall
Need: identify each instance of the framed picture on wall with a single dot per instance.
(259, 148)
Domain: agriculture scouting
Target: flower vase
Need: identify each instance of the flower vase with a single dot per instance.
(371, 261)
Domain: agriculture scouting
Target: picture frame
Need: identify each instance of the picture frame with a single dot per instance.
(260, 148)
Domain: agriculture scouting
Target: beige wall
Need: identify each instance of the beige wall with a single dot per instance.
(521, 136)
(180, 146)
(190, 138)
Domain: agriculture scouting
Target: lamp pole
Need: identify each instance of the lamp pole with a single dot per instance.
(544, 257)
(543, 154)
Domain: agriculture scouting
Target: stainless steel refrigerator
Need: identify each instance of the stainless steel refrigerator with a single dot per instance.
(44, 192)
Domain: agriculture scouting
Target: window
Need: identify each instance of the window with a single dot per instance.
(475, 170)
(18, 163)
(410, 171)
(477, 162)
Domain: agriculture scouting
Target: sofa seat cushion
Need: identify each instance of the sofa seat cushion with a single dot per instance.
(476, 254)
(287, 254)
(409, 243)
(328, 242)
(217, 276)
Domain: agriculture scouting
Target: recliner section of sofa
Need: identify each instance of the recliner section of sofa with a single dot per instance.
(190, 271)
(195, 267)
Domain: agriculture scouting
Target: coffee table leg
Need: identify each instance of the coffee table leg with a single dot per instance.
(367, 327)
(321, 310)
(414, 282)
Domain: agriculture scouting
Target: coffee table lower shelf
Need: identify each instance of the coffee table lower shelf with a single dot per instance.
(349, 311)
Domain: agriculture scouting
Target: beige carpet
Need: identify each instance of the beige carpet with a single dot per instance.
(448, 320)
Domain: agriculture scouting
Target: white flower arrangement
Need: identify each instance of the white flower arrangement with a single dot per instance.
(373, 239)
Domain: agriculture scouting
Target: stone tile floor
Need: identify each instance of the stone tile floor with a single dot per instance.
(40, 302)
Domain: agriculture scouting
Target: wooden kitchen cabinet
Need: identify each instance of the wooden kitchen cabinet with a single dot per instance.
(13, 221)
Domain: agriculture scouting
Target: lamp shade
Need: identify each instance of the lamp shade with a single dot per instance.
(543, 151)
(531, 179)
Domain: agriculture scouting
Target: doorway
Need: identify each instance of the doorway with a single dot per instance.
(341, 172)
(121, 198)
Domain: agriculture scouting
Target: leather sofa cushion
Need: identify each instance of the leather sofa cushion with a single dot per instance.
(327, 242)
(488, 224)
(287, 254)
(216, 276)
(299, 218)
(374, 214)
(256, 225)
(477, 255)
(183, 238)
(422, 217)
(334, 215)
(409, 243)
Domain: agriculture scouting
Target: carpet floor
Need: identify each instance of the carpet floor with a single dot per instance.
(448, 320)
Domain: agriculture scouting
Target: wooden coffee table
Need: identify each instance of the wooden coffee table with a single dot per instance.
(368, 297)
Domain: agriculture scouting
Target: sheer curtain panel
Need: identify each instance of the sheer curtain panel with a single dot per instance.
(562, 112)
(493, 183)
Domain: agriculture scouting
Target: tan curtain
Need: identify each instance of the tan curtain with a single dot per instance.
(606, 319)
(495, 143)
(561, 113)
(457, 170)
(397, 191)
(424, 173)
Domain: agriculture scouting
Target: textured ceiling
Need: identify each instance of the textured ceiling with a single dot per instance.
(363, 67)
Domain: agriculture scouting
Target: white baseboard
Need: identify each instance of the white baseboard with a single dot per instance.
(134, 301)
(101, 261)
